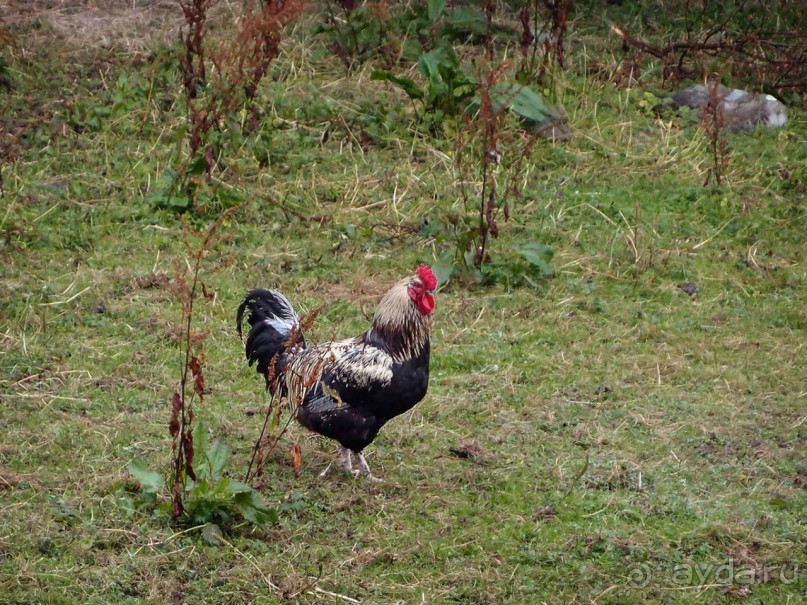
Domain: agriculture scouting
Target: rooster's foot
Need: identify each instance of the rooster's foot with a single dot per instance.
(346, 463)
(366, 468)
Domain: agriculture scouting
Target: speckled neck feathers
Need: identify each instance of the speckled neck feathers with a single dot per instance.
(400, 324)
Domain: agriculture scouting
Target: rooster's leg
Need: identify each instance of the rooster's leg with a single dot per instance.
(347, 463)
(366, 468)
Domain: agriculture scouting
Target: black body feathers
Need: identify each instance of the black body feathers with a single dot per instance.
(274, 327)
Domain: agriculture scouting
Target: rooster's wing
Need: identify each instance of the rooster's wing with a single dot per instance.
(350, 373)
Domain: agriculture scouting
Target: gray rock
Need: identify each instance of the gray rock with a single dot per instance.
(741, 110)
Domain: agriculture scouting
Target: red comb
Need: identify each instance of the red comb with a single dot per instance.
(427, 277)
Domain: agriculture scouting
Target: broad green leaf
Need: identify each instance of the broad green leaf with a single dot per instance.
(201, 467)
(150, 481)
(237, 487)
(349, 229)
(200, 439)
(531, 106)
(441, 67)
(406, 84)
(274, 420)
(260, 516)
(125, 502)
(212, 534)
(253, 508)
(444, 268)
(197, 166)
(470, 258)
(435, 10)
(539, 256)
(433, 63)
(524, 102)
(466, 21)
(216, 457)
(178, 202)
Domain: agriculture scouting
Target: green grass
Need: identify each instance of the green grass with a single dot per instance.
(630, 443)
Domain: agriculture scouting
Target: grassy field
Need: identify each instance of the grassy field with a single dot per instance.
(600, 436)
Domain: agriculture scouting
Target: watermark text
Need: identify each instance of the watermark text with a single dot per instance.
(726, 573)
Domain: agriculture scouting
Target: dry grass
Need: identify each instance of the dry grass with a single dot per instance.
(129, 26)
(600, 425)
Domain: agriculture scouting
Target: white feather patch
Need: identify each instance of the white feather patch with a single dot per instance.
(363, 367)
(284, 326)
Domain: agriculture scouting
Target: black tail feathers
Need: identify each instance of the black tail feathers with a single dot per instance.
(274, 326)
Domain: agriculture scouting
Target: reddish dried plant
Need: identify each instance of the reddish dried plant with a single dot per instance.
(221, 78)
(489, 9)
(713, 122)
(273, 425)
(490, 160)
(558, 25)
(8, 141)
(544, 25)
(186, 287)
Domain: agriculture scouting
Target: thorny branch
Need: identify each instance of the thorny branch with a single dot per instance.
(776, 59)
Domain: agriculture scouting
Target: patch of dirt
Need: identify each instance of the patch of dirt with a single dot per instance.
(147, 281)
(8, 479)
(11, 480)
(122, 25)
(470, 450)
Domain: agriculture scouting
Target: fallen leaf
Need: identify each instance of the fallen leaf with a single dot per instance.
(296, 458)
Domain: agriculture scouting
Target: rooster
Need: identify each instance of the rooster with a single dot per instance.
(348, 389)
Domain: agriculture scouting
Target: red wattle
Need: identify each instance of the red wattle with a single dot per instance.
(426, 304)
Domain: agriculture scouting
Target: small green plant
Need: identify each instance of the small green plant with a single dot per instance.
(358, 32)
(490, 154)
(450, 91)
(432, 24)
(490, 162)
(199, 491)
(129, 92)
(212, 495)
(211, 498)
(187, 288)
(447, 88)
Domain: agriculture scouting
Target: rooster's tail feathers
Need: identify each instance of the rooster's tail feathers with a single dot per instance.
(274, 327)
